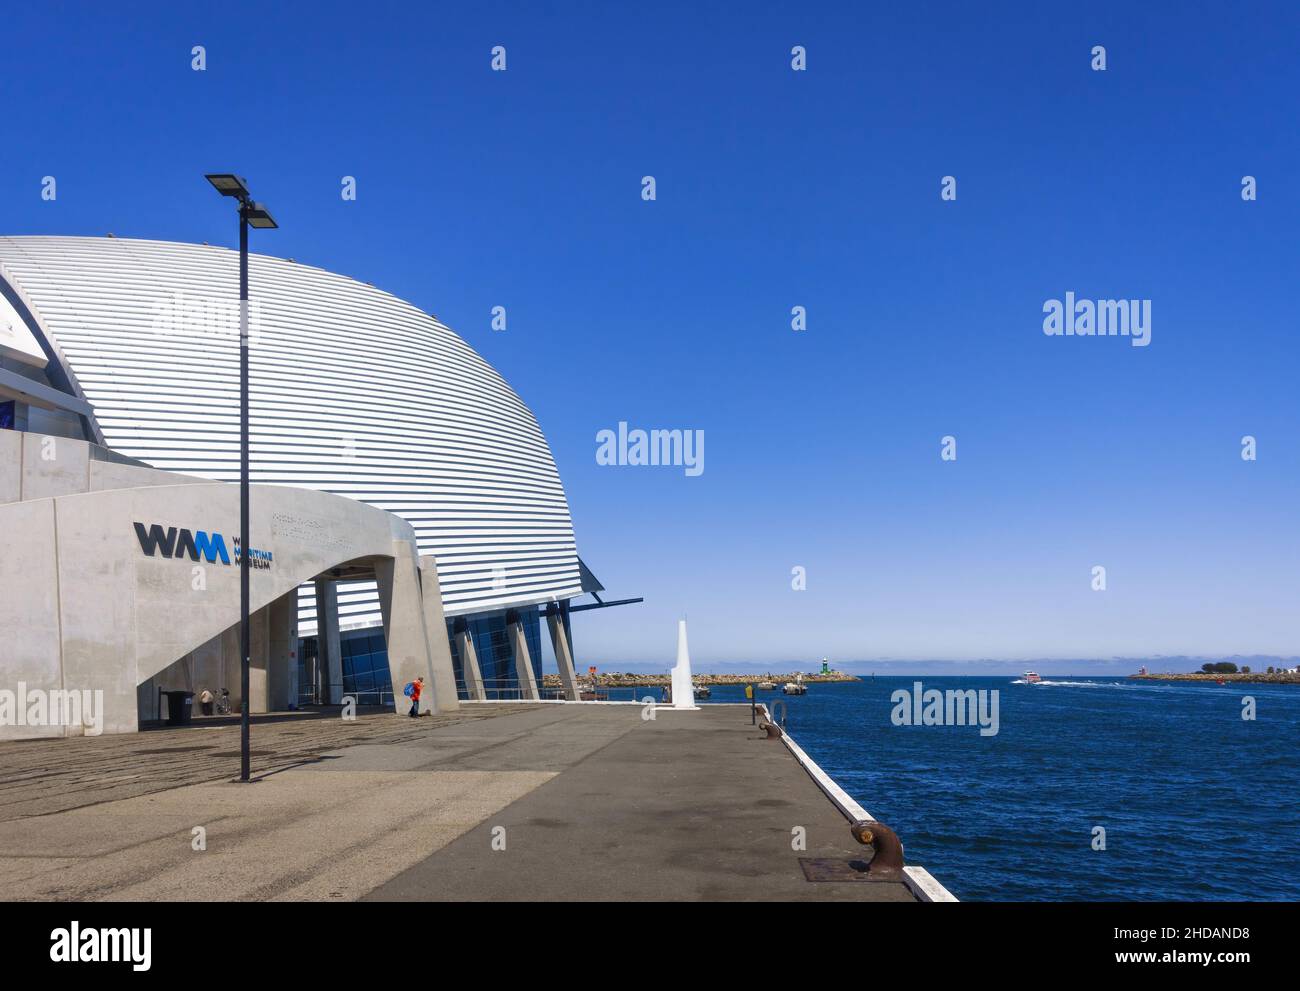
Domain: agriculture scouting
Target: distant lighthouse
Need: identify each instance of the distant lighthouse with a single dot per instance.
(826, 667)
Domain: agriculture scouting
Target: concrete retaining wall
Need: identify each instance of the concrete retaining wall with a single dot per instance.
(87, 609)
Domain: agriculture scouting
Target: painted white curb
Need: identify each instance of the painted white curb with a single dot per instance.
(919, 881)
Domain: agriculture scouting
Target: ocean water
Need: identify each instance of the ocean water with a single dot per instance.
(1196, 802)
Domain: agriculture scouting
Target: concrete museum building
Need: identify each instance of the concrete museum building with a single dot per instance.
(407, 517)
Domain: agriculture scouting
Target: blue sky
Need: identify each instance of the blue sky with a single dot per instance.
(778, 188)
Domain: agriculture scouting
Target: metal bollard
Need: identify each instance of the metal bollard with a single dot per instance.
(772, 730)
(887, 864)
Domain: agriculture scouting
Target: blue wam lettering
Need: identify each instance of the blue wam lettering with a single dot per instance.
(180, 543)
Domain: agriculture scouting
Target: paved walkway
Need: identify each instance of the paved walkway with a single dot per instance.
(592, 803)
(41, 776)
(689, 806)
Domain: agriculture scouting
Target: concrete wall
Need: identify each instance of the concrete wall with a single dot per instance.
(11, 456)
(39, 466)
(53, 466)
(85, 608)
(29, 615)
(273, 669)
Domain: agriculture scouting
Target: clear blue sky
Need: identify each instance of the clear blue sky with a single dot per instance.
(779, 188)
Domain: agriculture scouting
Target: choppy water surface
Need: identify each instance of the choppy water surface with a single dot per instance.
(1197, 803)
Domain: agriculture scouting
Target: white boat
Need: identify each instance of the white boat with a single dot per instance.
(767, 686)
(796, 687)
(1032, 678)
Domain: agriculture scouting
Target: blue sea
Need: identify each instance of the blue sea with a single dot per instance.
(1196, 802)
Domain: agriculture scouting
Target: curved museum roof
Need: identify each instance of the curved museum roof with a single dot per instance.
(353, 391)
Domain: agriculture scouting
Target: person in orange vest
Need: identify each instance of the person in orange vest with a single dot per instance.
(413, 691)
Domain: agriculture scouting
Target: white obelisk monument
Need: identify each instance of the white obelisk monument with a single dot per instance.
(683, 689)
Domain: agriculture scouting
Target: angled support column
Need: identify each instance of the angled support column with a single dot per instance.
(329, 651)
(555, 621)
(259, 660)
(284, 652)
(398, 578)
(435, 628)
(523, 662)
(469, 662)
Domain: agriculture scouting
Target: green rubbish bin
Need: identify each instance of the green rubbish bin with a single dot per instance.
(180, 707)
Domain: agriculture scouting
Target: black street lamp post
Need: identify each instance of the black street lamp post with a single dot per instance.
(251, 214)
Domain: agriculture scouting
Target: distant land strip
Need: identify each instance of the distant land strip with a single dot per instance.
(1276, 678)
(616, 679)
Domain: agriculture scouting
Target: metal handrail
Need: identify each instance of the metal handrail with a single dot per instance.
(366, 696)
(634, 693)
(503, 689)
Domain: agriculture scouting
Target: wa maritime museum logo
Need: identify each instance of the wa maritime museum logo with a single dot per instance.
(195, 544)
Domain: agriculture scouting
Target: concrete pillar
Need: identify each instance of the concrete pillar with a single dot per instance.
(309, 671)
(469, 662)
(563, 653)
(523, 662)
(435, 628)
(295, 653)
(230, 664)
(329, 651)
(259, 658)
(283, 662)
(398, 578)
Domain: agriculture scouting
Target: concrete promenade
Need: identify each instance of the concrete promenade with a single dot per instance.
(590, 802)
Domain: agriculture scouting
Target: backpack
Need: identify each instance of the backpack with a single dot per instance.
(409, 690)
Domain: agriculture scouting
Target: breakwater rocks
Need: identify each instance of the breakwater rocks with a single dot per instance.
(1277, 678)
(615, 679)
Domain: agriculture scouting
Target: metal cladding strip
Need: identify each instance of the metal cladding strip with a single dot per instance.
(918, 880)
(353, 392)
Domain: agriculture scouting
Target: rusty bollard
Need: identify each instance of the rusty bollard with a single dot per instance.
(887, 864)
(772, 730)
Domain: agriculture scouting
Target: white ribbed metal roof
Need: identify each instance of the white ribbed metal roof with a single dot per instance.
(353, 391)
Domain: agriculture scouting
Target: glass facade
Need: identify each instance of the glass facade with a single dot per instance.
(365, 667)
(496, 657)
(307, 655)
(365, 659)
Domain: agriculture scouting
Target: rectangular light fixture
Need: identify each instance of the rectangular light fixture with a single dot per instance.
(259, 216)
(228, 184)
